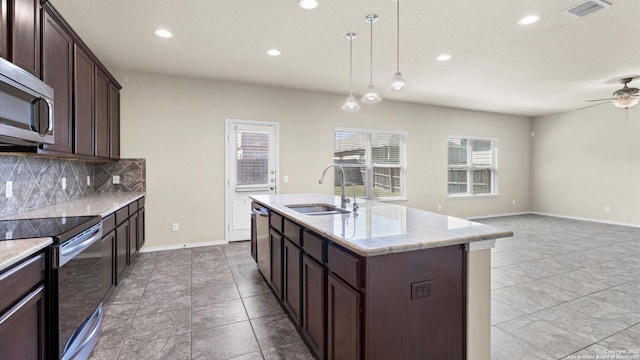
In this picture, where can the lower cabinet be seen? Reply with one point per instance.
(275, 280)
(122, 248)
(108, 279)
(313, 304)
(22, 311)
(133, 238)
(343, 320)
(141, 233)
(292, 299)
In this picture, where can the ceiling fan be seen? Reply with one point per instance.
(623, 98)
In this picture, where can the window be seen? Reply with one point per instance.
(472, 166)
(372, 160)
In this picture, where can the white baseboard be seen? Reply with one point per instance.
(182, 246)
(498, 215)
(585, 219)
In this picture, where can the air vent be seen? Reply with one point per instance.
(586, 8)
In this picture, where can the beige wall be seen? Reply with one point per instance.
(584, 161)
(178, 125)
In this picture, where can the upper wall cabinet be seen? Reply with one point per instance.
(25, 34)
(83, 86)
(57, 72)
(4, 33)
(114, 121)
(101, 101)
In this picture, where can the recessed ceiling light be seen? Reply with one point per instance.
(163, 33)
(528, 20)
(308, 4)
(274, 52)
(443, 57)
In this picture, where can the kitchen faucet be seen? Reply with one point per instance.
(344, 198)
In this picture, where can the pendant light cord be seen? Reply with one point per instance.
(351, 65)
(398, 35)
(371, 57)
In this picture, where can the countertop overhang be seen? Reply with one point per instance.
(378, 228)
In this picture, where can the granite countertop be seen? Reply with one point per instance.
(13, 251)
(103, 204)
(381, 228)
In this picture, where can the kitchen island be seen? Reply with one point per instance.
(383, 282)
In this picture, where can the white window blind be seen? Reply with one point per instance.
(252, 158)
(472, 166)
(373, 160)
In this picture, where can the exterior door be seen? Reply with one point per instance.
(252, 163)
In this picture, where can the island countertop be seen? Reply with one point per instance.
(378, 228)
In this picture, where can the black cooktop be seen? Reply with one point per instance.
(59, 228)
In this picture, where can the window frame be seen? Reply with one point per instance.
(369, 165)
(470, 168)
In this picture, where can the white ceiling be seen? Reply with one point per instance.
(497, 65)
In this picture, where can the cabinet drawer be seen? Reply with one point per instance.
(141, 203)
(133, 207)
(275, 220)
(315, 246)
(292, 231)
(122, 215)
(108, 223)
(18, 281)
(344, 265)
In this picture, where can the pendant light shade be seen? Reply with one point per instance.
(397, 83)
(371, 97)
(351, 104)
(308, 4)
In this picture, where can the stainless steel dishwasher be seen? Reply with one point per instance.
(261, 215)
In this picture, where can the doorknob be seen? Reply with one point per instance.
(272, 180)
(271, 188)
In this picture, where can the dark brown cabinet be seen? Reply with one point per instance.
(140, 225)
(101, 114)
(122, 248)
(108, 246)
(4, 31)
(313, 304)
(292, 280)
(133, 237)
(275, 243)
(57, 72)
(83, 85)
(343, 320)
(25, 34)
(114, 121)
(22, 311)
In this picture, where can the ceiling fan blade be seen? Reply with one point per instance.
(610, 99)
(586, 107)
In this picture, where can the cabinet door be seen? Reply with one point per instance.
(114, 122)
(343, 320)
(254, 238)
(83, 81)
(133, 237)
(108, 262)
(22, 328)
(4, 33)
(57, 72)
(292, 299)
(140, 229)
(275, 241)
(122, 236)
(313, 309)
(101, 114)
(25, 30)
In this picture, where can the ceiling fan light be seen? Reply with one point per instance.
(308, 4)
(625, 102)
(371, 97)
(397, 83)
(351, 104)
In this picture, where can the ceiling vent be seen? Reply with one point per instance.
(586, 8)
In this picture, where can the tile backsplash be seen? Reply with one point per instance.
(38, 181)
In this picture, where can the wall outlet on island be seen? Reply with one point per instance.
(175, 227)
(116, 179)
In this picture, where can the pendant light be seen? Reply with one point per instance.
(371, 97)
(398, 83)
(351, 104)
(308, 4)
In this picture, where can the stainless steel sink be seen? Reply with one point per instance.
(317, 209)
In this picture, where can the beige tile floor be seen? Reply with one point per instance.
(560, 288)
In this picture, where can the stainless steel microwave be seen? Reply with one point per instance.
(26, 108)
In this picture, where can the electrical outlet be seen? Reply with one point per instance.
(116, 179)
(513, 202)
(8, 189)
(88, 180)
(607, 209)
(420, 289)
(286, 178)
(175, 227)
(63, 181)
(439, 207)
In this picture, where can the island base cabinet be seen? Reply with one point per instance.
(275, 242)
(313, 304)
(292, 257)
(343, 320)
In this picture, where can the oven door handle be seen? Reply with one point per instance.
(69, 251)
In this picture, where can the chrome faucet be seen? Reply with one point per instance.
(344, 198)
